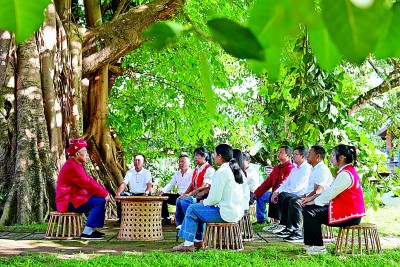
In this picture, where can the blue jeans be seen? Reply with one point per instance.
(196, 217)
(181, 207)
(261, 212)
(96, 208)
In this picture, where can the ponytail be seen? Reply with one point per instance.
(237, 171)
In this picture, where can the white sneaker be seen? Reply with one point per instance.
(314, 250)
(179, 227)
(278, 228)
(270, 227)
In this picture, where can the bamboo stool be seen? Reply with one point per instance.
(246, 227)
(223, 236)
(367, 233)
(64, 225)
(252, 212)
(327, 232)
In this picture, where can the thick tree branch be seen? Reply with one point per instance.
(391, 83)
(114, 39)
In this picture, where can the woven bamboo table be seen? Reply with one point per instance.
(141, 218)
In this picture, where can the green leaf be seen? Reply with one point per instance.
(324, 49)
(271, 21)
(236, 39)
(22, 17)
(389, 45)
(206, 78)
(163, 32)
(354, 31)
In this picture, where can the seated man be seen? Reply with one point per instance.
(273, 181)
(320, 179)
(182, 179)
(294, 186)
(253, 178)
(139, 181)
(76, 191)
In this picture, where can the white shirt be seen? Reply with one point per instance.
(341, 183)
(227, 194)
(253, 178)
(182, 181)
(320, 175)
(246, 193)
(297, 181)
(208, 175)
(137, 181)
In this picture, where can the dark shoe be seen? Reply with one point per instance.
(99, 233)
(166, 221)
(182, 248)
(284, 233)
(92, 236)
(198, 245)
(294, 238)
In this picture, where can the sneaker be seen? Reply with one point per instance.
(284, 233)
(179, 227)
(99, 233)
(182, 248)
(198, 245)
(294, 238)
(270, 227)
(314, 250)
(280, 228)
(92, 236)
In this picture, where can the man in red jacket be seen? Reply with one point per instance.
(76, 191)
(274, 181)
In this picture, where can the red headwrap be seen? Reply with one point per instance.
(75, 145)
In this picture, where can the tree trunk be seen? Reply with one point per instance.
(55, 86)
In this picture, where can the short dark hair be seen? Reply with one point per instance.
(302, 150)
(288, 150)
(140, 154)
(184, 155)
(320, 151)
(246, 156)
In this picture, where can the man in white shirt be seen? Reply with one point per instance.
(182, 179)
(320, 179)
(295, 186)
(139, 181)
(253, 178)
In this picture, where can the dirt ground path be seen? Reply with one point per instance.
(18, 243)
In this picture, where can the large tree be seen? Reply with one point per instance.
(55, 86)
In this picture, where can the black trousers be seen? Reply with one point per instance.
(171, 200)
(314, 217)
(283, 206)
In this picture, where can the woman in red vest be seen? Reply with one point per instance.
(201, 179)
(341, 204)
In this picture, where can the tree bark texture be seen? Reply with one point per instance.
(55, 86)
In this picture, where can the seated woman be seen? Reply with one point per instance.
(238, 155)
(201, 180)
(223, 204)
(341, 204)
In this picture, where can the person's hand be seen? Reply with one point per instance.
(117, 195)
(255, 197)
(182, 196)
(306, 200)
(274, 197)
(195, 192)
(160, 193)
(107, 198)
